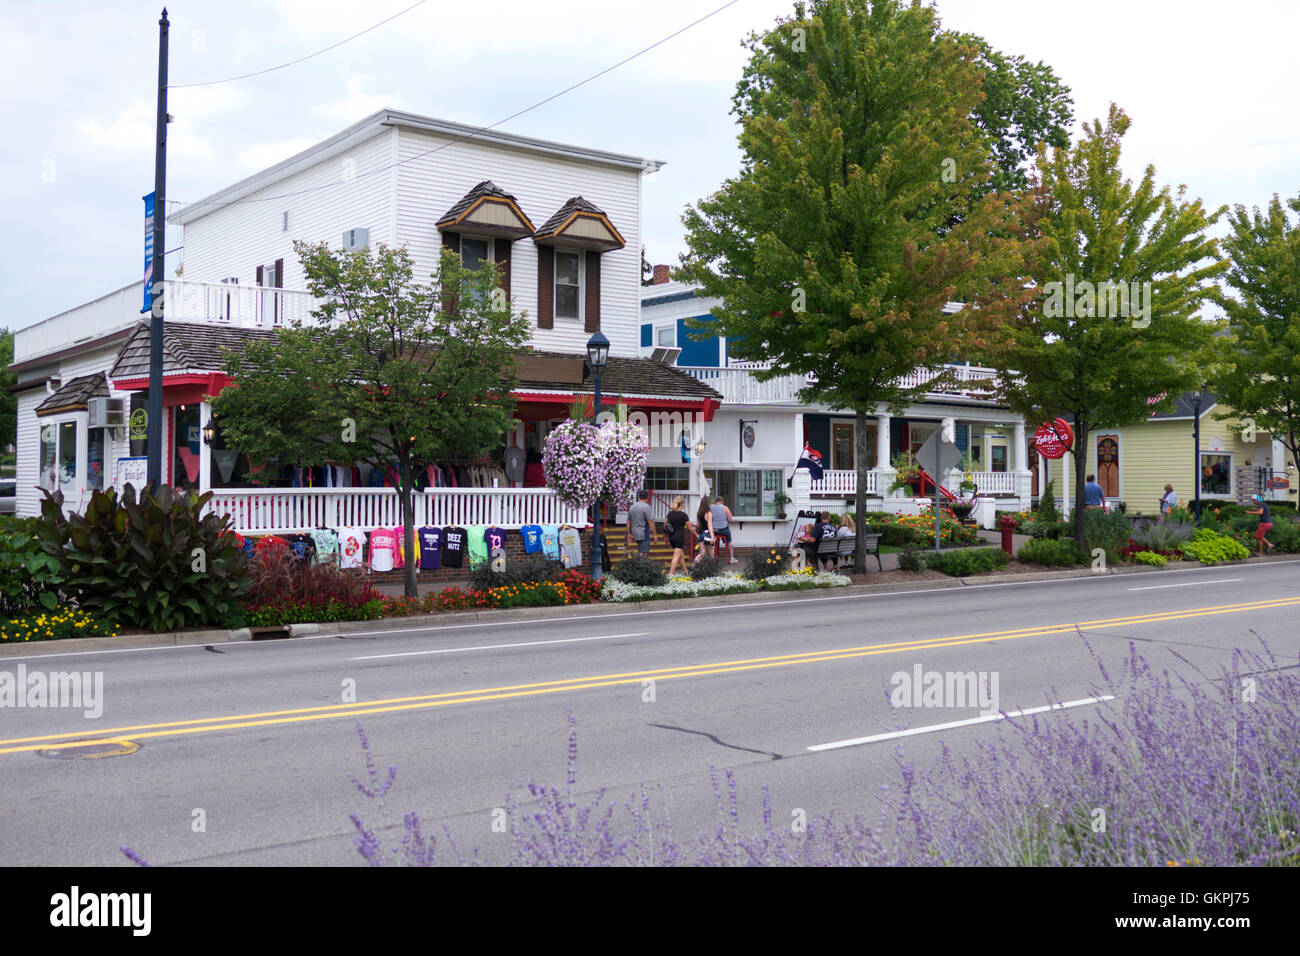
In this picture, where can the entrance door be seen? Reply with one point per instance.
(842, 446)
(1108, 465)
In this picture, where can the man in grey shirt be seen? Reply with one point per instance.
(640, 523)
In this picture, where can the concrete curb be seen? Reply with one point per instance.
(447, 619)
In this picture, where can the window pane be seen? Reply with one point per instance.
(666, 478)
(95, 463)
(49, 437)
(566, 268)
(1216, 474)
(771, 485)
(67, 453)
(999, 454)
(566, 301)
(667, 336)
(473, 252)
(747, 494)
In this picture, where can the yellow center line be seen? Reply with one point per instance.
(425, 701)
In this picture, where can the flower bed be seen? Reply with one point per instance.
(617, 591)
(54, 626)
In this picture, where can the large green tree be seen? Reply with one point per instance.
(397, 372)
(862, 206)
(1258, 375)
(1122, 270)
(8, 401)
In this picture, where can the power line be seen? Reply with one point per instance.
(272, 69)
(457, 141)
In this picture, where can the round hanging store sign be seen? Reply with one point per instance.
(1053, 439)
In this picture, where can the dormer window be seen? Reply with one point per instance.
(482, 226)
(569, 247)
(568, 283)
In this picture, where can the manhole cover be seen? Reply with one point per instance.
(90, 749)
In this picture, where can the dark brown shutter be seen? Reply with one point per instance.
(451, 241)
(545, 287)
(259, 275)
(279, 273)
(503, 265)
(592, 311)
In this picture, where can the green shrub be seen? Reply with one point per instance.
(968, 561)
(30, 579)
(1063, 553)
(894, 535)
(1149, 557)
(909, 559)
(1286, 535)
(1180, 513)
(639, 569)
(1046, 529)
(765, 563)
(291, 612)
(529, 569)
(1047, 511)
(1210, 547)
(1108, 530)
(706, 568)
(1167, 535)
(156, 562)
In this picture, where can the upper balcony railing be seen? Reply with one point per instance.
(738, 383)
(244, 306)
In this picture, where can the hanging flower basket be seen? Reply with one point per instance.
(573, 470)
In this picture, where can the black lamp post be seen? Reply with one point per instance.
(597, 358)
(1196, 442)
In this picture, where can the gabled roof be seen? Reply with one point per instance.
(582, 224)
(75, 395)
(632, 377)
(188, 349)
(375, 124)
(489, 210)
(1183, 407)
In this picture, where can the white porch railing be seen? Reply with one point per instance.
(738, 384)
(246, 306)
(291, 510)
(842, 483)
(987, 482)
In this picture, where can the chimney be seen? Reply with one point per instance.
(660, 276)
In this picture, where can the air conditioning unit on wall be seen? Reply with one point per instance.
(354, 240)
(106, 412)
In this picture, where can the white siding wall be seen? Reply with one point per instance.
(28, 498)
(429, 185)
(232, 241)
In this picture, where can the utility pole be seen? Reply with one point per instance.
(155, 445)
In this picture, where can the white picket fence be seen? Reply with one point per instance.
(291, 510)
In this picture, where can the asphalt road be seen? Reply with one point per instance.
(256, 740)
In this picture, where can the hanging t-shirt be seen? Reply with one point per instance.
(453, 547)
(383, 548)
(352, 547)
(327, 544)
(514, 465)
(551, 541)
(399, 547)
(478, 551)
(301, 547)
(430, 548)
(571, 548)
(496, 538)
(532, 535)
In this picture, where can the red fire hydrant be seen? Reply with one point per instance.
(1007, 525)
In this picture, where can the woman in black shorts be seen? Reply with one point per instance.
(675, 524)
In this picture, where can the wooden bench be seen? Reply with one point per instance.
(840, 550)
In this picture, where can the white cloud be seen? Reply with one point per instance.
(356, 104)
(134, 128)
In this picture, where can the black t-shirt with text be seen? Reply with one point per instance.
(454, 541)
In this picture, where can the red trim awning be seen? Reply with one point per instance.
(179, 389)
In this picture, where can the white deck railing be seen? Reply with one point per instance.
(845, 483)
(246, 306)
(738, 384)
(292, 510)
(842, 483)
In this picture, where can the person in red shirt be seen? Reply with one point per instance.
(534, 474)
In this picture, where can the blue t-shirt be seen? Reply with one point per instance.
(551, 541)
(1093, 493)
(532, 534)
(430, 548)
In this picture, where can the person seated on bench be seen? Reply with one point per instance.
(808, 543)
(846, 529)
(823, 530)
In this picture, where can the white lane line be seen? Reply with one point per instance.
(496, 647)
(1191, 584)
(895, 734)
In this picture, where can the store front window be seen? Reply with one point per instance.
(1216, 474)
(749, 492)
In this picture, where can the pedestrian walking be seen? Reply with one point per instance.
(1265, 523)
(704, 526)
(640, 523)
(1094, 496)
(722, 527)
(675, 526)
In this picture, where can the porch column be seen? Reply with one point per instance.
(1024, 478)
(882, 441)
(205, 453)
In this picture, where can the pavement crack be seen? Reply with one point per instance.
(721, 743)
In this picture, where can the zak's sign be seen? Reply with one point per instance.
(1053, 439)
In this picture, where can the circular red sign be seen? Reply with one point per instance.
(1053, 439)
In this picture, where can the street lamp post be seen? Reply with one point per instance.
(1196, 443)
(597, 358)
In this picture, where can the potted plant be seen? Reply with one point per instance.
(781, 499)
(907, 473)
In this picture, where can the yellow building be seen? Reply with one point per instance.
(1133, 463)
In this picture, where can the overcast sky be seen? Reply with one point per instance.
(1210, 87)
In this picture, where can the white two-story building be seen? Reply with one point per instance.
(562, 224)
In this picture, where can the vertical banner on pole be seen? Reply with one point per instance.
(148, 252)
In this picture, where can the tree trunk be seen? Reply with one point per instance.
(407, 493)
(1080, 469)
(860, 493)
